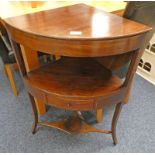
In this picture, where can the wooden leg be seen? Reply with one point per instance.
(5, 70)
(30, 65)
(114, 122)
(99, 115)
(41, 107)
(11, 78)
(35, 114)
(126, 100)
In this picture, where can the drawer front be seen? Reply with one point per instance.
(70, 104)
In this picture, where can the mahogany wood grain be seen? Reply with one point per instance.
(30, 65)
(113, 62)
(105, 61)
(25, 65)
(92, 22)
(28, 54)
(97, 28)
(80, 83)
(87, 48)
(80, 127)
(114, 122)
(35, 113)
(67, 83)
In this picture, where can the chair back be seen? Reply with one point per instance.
(142, 12)
(4, 34)
(4, 52)
(5, 46)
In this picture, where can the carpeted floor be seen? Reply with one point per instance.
(135, 130)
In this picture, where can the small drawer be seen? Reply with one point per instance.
(70, 104)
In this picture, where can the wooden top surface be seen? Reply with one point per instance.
(76, 22)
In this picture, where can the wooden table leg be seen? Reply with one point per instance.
(126, 100)
(8, 72)
(99, 115)
(40, 106)
(31, 62)
(118, 109)
(35, 114)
